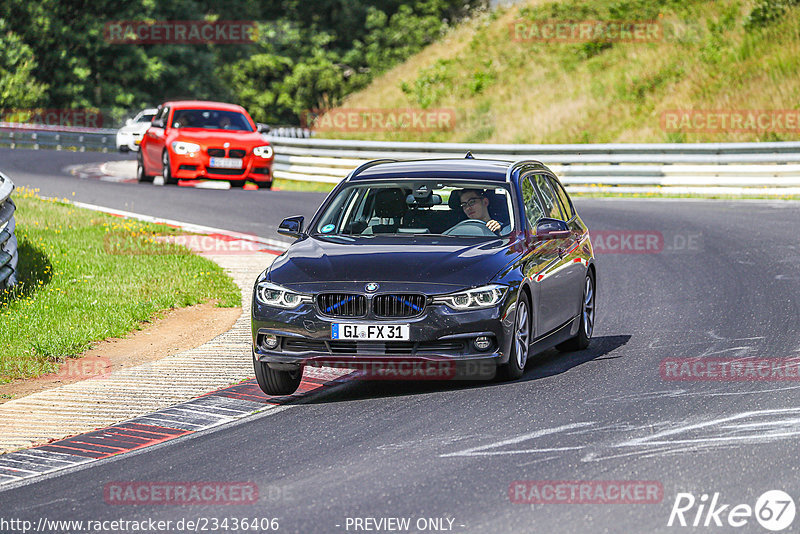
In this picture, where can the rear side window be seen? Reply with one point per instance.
(551, 207)
(566, 205)
(533, 209)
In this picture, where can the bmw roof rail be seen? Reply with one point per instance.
(367, 165)
(522, 162)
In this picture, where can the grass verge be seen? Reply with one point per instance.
(86, 276)
(299, 185)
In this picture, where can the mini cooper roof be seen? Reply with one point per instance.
(453, 169)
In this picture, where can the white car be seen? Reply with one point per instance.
(130, 135)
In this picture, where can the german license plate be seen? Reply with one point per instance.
(370, 332)
(225, 163)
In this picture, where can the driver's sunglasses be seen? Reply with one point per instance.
(471, 202)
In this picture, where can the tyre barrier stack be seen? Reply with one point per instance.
(8, 241)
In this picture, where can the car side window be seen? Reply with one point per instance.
(533, 209)
(551, 207)
(566, 204)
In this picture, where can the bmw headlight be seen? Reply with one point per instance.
(183, 148)
(279, 297)
(473, 299)
(265, 151)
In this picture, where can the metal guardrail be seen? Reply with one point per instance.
(8, 241)
(301, 157)
(691, 164)
(38, 136)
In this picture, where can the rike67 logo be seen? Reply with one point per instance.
(774, 510)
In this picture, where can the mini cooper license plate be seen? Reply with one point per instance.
(225, 163)
(370, 332)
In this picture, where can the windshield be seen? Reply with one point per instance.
(147, 117)
(414, 207)
(210, 119)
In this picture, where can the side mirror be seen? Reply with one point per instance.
(292, 226)
(551, 229)
(157, 123)
(263, 128)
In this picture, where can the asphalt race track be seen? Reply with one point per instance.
(722, 282)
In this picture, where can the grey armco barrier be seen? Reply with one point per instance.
(38, 136)
(8, 241)
(299, 156)
(668, 164)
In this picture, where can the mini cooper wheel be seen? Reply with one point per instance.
(581, 341)
(166, 171)
(520, 345)
(141, 175)
(274, 382)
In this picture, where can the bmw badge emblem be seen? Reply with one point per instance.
(372, 287)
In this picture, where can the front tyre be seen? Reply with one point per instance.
(581, 341)
(274, 382)
(520, 346)
(166, 170)
(141, 174)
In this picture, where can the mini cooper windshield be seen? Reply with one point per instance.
(415, 207)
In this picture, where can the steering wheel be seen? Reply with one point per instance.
(473, 227)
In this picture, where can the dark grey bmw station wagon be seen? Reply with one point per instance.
(442, 260)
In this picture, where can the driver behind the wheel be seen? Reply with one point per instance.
(476, 206)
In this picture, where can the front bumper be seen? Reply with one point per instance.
(185, 167)
(128, 141)
(438, 335)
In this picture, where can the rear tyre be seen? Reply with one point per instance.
(581, 341)
(166, 171)
(264, 185)
(237, 183)
(141, 175)
(274, 382)
(521, 342)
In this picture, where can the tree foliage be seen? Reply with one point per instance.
(309, 54)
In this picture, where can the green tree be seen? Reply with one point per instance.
(18, 87)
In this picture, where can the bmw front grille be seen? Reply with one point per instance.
(387, 306)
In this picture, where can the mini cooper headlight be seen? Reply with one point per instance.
(279, 297)
(473, 299)
(263, 151)
(183, 148)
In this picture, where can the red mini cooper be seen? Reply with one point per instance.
(190, 140)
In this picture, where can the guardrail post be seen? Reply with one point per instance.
(35, 143)
(58, 141)
(81, 147)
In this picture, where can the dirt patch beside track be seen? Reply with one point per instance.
(172, 332)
